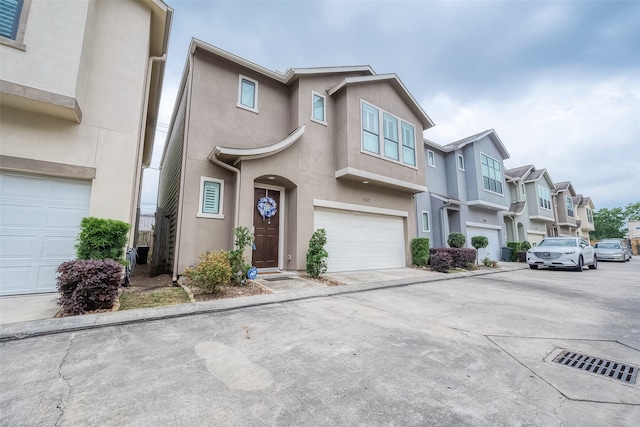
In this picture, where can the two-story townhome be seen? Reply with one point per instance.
(585, 208)
(80, 85)
(285, 154)
(467, 192)
(564, 210)
(530, 216)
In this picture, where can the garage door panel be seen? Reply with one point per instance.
(39, 224)
(493, 249)
(359, 241)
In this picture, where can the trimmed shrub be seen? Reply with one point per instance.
(460, 257)
(317, 255)
(420, 251)
(101, 238)
(515, 248)
(525, 246)
(87, 285)
(239, 266)
(479, 242)
(441, 261)
(456, 240)
(212, 271)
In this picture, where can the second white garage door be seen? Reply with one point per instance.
(493, 249)
(361, 241)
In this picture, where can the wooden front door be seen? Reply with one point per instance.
(266, 231)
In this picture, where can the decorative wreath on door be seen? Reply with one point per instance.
(267, 207)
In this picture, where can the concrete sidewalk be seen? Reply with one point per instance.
(33, 315)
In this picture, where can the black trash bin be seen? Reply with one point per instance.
(505, 254)
(143, 253)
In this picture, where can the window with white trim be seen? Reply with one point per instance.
(460, 162)
(397, 141)
(589, 215)
(569, 206)
(522, 189)
(13, 18)
(426, 226)
(492, 174)
(247, 94)
(211, 198)
(318, 108)
(544, 197)
(431, 158)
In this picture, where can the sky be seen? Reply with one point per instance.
(559, 81)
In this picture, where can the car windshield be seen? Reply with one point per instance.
(608, 245)
(558, 242)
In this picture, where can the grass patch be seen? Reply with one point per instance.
(155, 298)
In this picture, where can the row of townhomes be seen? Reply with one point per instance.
(339, 148)
(80, 84)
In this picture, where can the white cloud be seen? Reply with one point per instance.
(579, 130)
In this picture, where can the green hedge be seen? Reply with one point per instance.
(420, 251)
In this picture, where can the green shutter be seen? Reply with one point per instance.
(211, 197)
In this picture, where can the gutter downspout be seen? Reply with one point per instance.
(135, 205)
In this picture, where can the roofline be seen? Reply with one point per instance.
(427, 122)
(286, 77)
(530, 169)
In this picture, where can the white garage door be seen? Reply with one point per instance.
(493, 249)
(360, 241)
(39, 222)
(534, 238)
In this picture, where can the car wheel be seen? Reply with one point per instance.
(594, 266)
(580, 264)
(533, 267)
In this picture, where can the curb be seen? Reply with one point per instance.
(31, 329)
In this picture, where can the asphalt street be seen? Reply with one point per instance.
(470, 351)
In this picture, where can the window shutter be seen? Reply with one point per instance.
(9, 17)
(211, 197)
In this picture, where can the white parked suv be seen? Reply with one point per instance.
(562, 252)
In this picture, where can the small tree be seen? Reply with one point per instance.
(239, 266)
(102, 239)
(479, 242)
(317, 255)
(420, 251)
(456, 240)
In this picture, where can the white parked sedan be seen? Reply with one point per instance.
(611, 250)
(563, 252)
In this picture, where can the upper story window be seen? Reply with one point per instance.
(589, 215)
(492, 174)
(396, 134)
(248, 94)
(318, 108)
(460, 162)
(544, 197)
(13, 18)
(211, 198)
(431, 158)
(569, 206)
(523, 191)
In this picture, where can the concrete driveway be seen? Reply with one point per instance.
(473, 350)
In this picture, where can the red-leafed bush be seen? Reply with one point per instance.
(460, 257)
(88, 285)
(441, 261)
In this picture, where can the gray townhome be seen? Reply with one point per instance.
(531, 215)
(565, 211)
(467, 192)
(285, 154)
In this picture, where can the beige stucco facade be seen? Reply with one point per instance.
(80, 96)
(279, 146)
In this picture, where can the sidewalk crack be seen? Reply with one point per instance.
(61, 406)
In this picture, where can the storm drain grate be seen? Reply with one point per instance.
(277, 279)
(608, 368)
